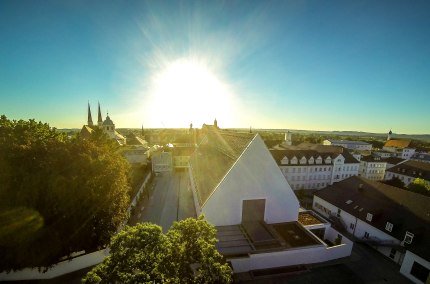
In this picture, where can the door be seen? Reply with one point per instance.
(253, 210)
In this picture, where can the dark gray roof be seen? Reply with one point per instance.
(278, 155)
(393, 160)
(413, 169)
(214, 157)
(348, 142)
(407, 211)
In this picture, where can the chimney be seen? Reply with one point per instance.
(360, 187)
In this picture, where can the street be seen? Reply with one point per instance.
(171, 200)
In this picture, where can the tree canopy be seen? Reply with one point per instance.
(420, 186)
(58, 195)
(143, 254)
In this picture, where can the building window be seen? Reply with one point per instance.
(351, 226)
(369, 217)
(389, 227)
(420, 272)
(338, 210)
(393, 253)
(366, 235)
(409, 237)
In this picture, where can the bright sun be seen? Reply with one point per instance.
(187, 91)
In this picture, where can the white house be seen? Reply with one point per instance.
(372, 167)
(408, 171)
(240, 189)
(395, 222)
(315, 168)
(350, 145)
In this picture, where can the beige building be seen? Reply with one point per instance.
(372, 167)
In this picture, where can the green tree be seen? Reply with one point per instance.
(65, 195)
(420, 186)
(143, 254)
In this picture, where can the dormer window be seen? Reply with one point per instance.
(408, 237)
(294, 161)
(311, 160)
(369, 217)
(319, 160)
(303, 161)
(328, 160)
(284, 161)
(389, 227)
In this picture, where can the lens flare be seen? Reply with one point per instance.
(185, 91)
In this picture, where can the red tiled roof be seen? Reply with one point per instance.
(397, 143)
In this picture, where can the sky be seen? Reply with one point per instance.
(316, 65)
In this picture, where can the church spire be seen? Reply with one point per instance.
(90, 118)
(100, 119)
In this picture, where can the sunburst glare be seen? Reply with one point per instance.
(187, 90)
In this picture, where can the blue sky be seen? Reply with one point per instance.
(319, 65)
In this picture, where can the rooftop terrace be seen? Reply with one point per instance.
(257, 237)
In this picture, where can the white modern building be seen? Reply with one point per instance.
(350, 145)
(240, 189)
(315, 169)
(372, 167)
(408, 171)
(395, 222)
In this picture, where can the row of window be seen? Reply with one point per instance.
(379, 165)
(303, 160)
(308, 186)
(316, 169)
(401, 177)
(322, 208)
(311, 177)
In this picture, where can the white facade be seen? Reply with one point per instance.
(410, 260)
(359, 228)
(373, 170)
(404, 153)
(352, 145)
(404, 178)
(248, 180)
(302, 174)
(296, 256)
(384, 154)
(161, 161)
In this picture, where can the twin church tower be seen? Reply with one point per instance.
(107, 125)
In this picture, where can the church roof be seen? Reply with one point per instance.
(214, 157)
(86, 131)
(108, 121)
(397, 143)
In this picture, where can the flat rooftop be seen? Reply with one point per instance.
(307, 218)
(258, 237)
